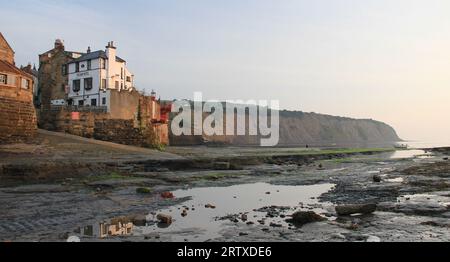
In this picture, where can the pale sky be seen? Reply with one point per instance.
(387, 60)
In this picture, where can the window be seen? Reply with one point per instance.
(121, 86)
(88, 83)
(63, 87)
(94, 102)
(64, 69)
(77, 67)
(89, 64)
(117, 84)
(104, 101)
(103, 84)
(121, 73)
(3, 79)
(81, 103)
(76, 85)
(103, 63)
(128, 79)
(25, 84)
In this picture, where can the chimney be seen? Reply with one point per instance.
(88, 50)
(111, 54)
(59, 44)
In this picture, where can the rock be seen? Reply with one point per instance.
(210, 206)
(373, 239)
(267, 193)
(275, 225)
(244, 217)
(167, 195)
(346, 210)
(165, 219)
(139, 220)
(301, 218)
(221, 165)
(243, 234)
(377, 178)
(184, 213)
(64, 235)
(338, 236)
(143, 190)
(250, 223)
(445, 158)
(73, 239)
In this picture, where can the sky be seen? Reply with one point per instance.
(387, 60)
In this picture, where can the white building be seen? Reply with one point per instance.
(94, 74)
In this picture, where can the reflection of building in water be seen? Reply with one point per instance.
(116, 229)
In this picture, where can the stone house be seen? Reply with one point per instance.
(52, 75)
(35, 74)
(17, 113)
(93, 95)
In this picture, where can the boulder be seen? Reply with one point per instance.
(165, 219)
(138, 220)
(377, 178)
(373, 239)
(167, 195)
(347, 210)
(301, 218)
(210, 206)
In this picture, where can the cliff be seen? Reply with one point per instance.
(316, 129)
(301, 129)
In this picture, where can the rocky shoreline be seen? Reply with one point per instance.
(374, 197)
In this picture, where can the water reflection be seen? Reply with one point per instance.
(399, 154)
(250, 204)
(116, 227)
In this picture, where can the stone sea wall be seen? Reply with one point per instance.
(17, 115)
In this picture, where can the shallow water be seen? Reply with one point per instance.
(202, 223)
(399, 154)
(426, 144)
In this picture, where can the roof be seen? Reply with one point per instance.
(95, 55)
(9, 68)
(2, 37)
(30, 70)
